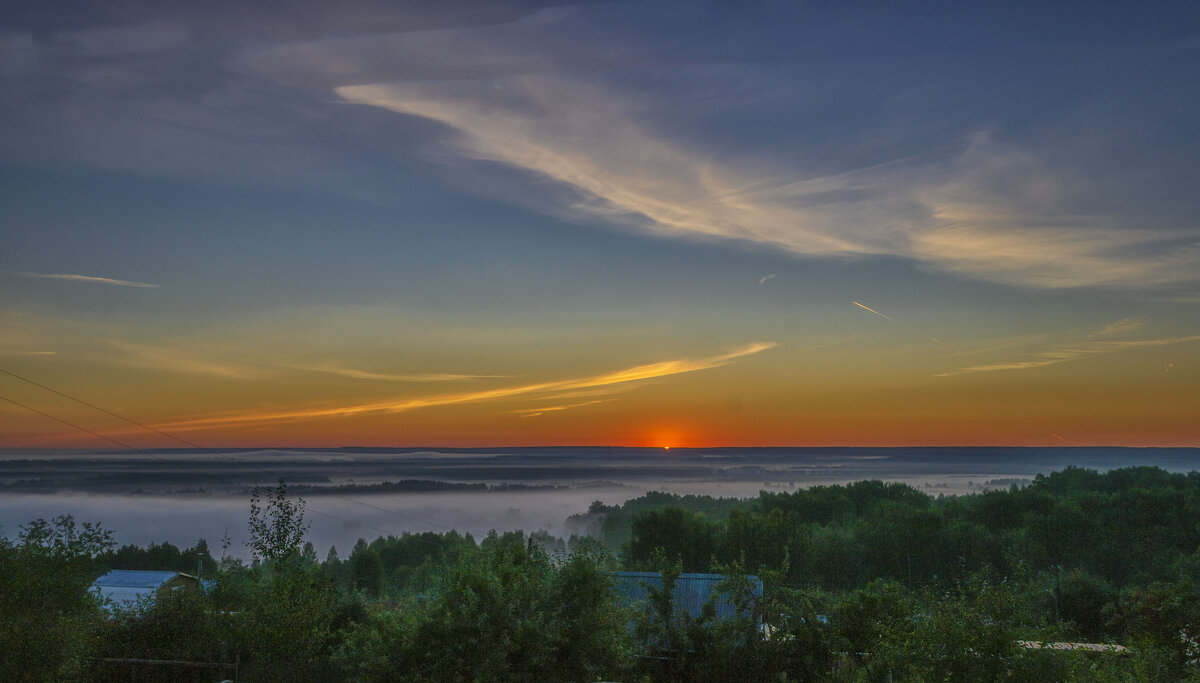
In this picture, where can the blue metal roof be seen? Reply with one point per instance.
(121, 596)
(125, 587)
(691, 591)
(134, 578)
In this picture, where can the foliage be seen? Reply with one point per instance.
(506, 612)
(162, 557)
(861, 582)
(366, 570)
(277, 525)
(1088, 556)
(1121, 528)
(966, 633)
(674, 644)
(678, 533)
(48, 616)
(616, 525)
(177, 625)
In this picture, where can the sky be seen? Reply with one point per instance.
(471, 223)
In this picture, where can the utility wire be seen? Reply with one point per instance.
(71, 424)
(197, 446)
(103, 410)
(159, 457)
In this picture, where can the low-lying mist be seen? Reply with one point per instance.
(180, 497)
(337, 521)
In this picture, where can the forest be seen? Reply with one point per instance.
(869, 581)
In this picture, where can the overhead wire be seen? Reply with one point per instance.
(168, 460)
(197, 446)
(206, 450)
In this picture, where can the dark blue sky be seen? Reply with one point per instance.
(271, 213)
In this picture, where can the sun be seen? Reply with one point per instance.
(666, 437)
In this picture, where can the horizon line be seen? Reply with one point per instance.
(426, 447)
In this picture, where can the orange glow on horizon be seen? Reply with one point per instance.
(837, 398)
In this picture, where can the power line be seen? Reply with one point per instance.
(82, 429)
(159, 457)
(197, 446)
(103, 410)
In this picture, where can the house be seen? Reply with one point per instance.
(689, 596)
(126, 587)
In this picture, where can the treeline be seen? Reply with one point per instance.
(863, 582)
(164, 556)
(1124, 528)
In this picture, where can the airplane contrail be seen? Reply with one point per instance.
(873, 311)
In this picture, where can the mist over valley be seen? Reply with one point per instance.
(180, 496)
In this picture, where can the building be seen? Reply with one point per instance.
(688, 598)
(126, 587)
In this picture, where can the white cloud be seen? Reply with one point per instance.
(1123, 326)
(561, 93)
(587, 137)
(87, 279)
(995, 212)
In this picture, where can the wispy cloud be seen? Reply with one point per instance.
(389, 377)
(640, 116)
(536, 412)
(86, 278)
(585, 136)
(179, 360)
(763, 280)
(868, 308)
(993, 212)
(1064, 353)
(1122, 326)
(998, 249)
(633, 374)
(594, 391)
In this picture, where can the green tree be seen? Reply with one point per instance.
(677, 533)
(283, 618)
(47, 613)
(967, 633)
(366, 571)
(277, 525)
(503, 613)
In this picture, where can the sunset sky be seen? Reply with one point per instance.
(646, 223)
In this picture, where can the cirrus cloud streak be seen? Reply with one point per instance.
(399, 405)
(87, 279)
(1070, 352)
(993, 211)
